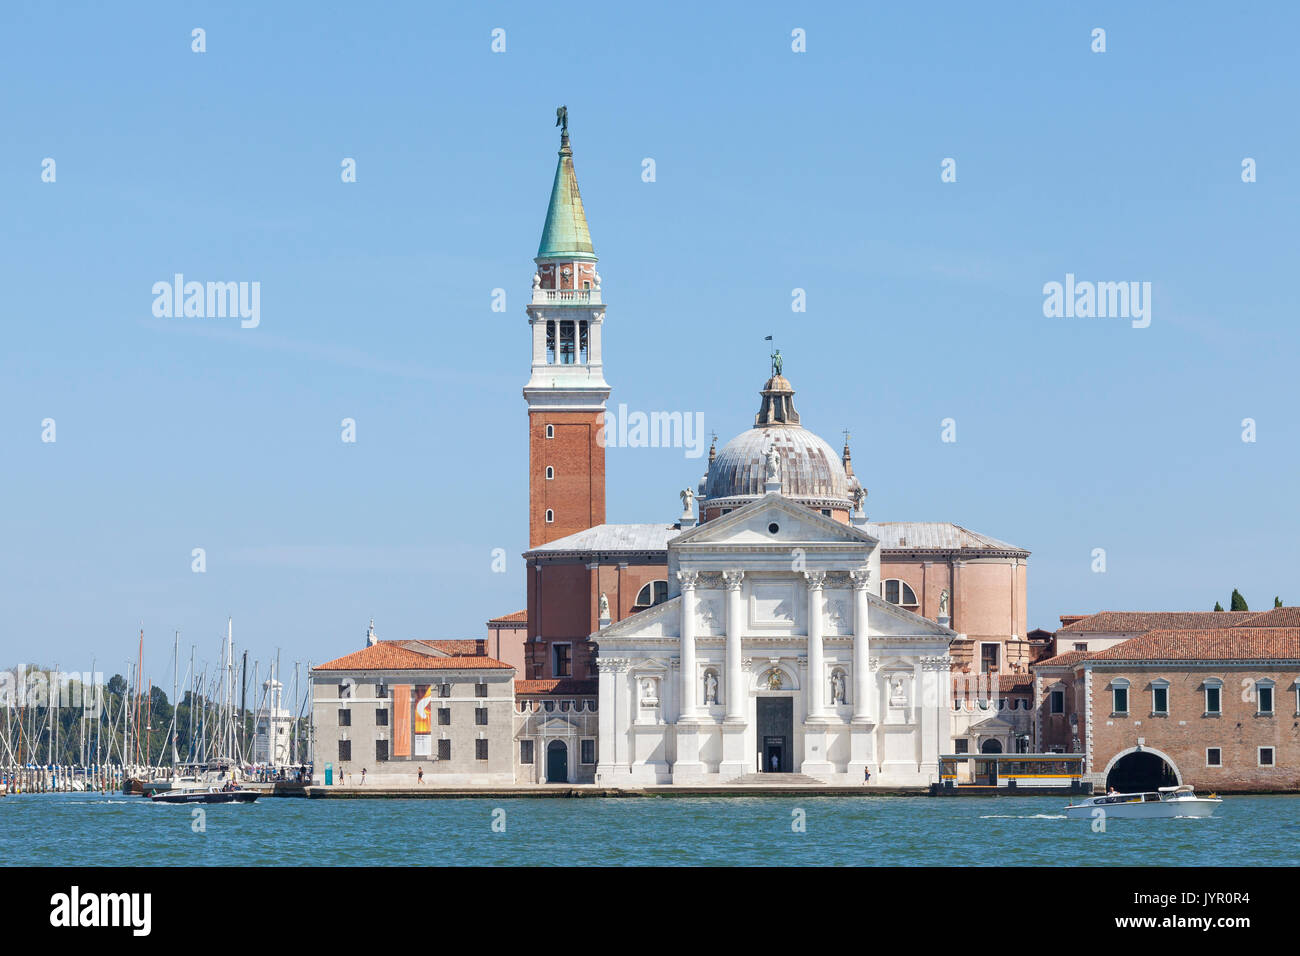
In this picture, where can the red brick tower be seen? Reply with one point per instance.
(567, 391)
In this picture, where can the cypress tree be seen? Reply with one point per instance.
(1239, 602)
(1218, 606)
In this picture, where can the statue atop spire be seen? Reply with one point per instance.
(776, 362)
(562, 121)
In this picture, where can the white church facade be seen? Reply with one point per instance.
(774, 653)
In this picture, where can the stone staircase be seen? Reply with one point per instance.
(773, 780)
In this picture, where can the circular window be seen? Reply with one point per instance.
(773, 528)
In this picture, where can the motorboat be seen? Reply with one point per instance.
(1180, 801)
(207, 795)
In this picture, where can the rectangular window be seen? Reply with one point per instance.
(345, 717)
(1058, 701)
(589, 751)
(1160, 700)
(525, 751)
(1264, 694)
(381, 691)
(1213, 757)
(444, 749)
(381, 750)
(381, 716)
(563, 661)
(582, 339)
(480, 749)
(480, 716)
(989, 657)
(1266, 756)
(1213, 700)
(345, 688)
(345, 750)
(891, 590)
(480, 690)
(1080, 645)
(962, 745)
(444, 716)
(550, 345)
(1120, 702)
(444, 690)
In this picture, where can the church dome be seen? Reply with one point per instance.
(810, 469)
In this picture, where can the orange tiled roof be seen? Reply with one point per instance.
(557, 685)
(1068, 659)
(1208, 644)
(472, 647)
(519, 617)
(1122, 621)
(1278, 617)
(391, 655)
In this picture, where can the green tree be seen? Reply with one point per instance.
(1277, 602)
(1239, 602)
(1218, 606)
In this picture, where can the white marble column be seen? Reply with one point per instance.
(735, 626)
(816, 668)
(864, 704)
(689, 679)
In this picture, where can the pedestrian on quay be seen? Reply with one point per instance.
(363, 776)
(419, 775)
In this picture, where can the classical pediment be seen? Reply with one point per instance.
(796, 525)
(890, 620)
(662, 620)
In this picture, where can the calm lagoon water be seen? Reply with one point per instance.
(93, 829)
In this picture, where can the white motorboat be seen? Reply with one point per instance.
(1166, 802)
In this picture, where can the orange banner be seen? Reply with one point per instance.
(401, 720)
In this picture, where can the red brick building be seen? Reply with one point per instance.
(1217, 707)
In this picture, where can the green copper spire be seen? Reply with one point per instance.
(565, 233)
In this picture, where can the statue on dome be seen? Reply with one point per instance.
(773, 463)
(562, 119)
(776, 363)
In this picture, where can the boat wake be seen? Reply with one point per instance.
(1022, 816)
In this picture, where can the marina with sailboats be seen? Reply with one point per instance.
(76, 732)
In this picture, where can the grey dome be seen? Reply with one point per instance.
(810, 468)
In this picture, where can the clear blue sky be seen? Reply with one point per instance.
(775, 170)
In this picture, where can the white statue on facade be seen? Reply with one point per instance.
(710, 688)
(897, 694)
(688, 499)
(537, 281)
(604, 607)
(943, 603)
(648, 696)
(837, 688)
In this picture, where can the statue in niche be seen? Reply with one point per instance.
(775, 679)
(604, 607)
(837, 688)
(648, 696)
(897, 694)
(943, 603)
(710, 687)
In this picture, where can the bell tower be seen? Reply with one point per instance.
(566, 392)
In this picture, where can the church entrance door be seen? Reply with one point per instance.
(557, 762)
(775, 717)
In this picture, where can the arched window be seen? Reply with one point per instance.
(550, 516)
(656, 592)
(550, 431)
(898, 592)
(550, 472)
